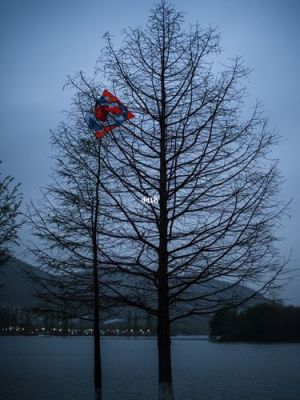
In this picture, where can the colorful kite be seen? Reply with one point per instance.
(109, 113)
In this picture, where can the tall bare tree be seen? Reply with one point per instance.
(192, 147)
(187, 205)
(68, 222)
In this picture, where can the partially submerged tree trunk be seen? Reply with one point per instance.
(163, 319)
(96, 311)
(69, 224)
(164, 352)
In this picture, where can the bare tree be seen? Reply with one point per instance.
(68, 221)
(192, 147)
(10, 201)
(181, 203)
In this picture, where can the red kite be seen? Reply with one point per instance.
(109, 113)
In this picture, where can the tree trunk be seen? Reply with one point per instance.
(163, 322)
(97, 349)
(164, 357)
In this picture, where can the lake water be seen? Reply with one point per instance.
(54, 368)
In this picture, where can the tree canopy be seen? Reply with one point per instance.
(10, 201)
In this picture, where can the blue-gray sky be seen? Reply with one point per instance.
(44, 41)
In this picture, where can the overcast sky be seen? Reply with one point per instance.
(44, 41)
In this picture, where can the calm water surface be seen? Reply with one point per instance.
(53, 368)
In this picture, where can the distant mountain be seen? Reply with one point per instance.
(18, 288)
(18, 291)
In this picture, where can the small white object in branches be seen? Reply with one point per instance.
(150, 200)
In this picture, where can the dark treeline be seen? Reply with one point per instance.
(17, 321)
(267, 322)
